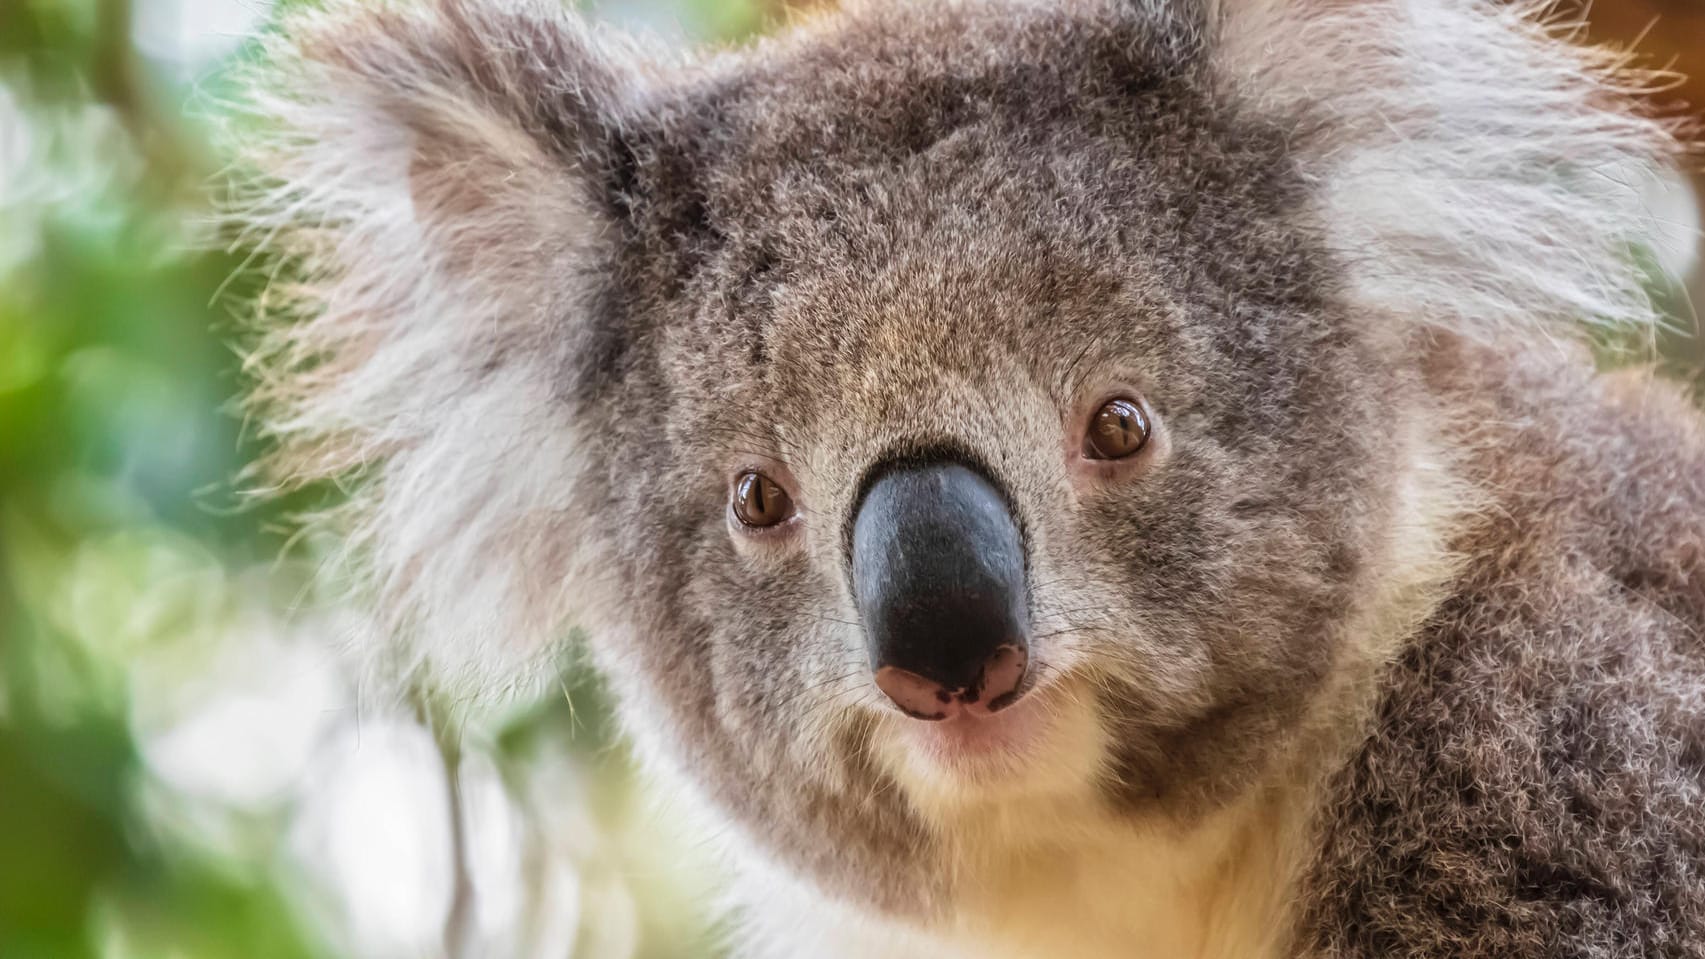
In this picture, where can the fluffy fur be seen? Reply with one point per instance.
(1533, 782)
(427, 233)
(1299, 672)
(1472, 170)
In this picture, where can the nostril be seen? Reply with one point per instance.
(916, 696)
(998, 685)
(995, 687)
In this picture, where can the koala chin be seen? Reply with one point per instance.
(1042, 477)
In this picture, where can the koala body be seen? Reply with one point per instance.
(1098, 477)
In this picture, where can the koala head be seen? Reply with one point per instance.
(932, 412)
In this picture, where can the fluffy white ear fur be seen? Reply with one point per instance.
(422, 182)
(1475, 170)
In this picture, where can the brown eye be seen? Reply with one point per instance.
(759, 502)
(1119, 429)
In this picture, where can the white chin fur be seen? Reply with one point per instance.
(1046, 748)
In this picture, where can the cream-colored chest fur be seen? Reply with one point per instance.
(1219, 891)
(1097, 888)
(1216, 893)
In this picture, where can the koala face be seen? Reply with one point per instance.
(1009, 449)
(937, 419)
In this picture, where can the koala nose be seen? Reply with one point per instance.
(938, 574)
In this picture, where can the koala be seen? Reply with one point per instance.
(1039, 477)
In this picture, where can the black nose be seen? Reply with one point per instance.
(938, 572)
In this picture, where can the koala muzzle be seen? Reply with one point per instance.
(938, 574)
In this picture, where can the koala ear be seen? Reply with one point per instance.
(1475, 168)
(437, 187)
(488, 128)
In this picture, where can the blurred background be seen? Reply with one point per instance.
(186, 770)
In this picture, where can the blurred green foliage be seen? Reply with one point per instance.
(112, 390)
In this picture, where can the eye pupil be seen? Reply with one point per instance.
(1119, 429)
(759, 502)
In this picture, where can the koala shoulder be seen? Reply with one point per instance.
(1540, 744)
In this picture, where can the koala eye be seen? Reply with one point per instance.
(1118, 429)
(759, 502)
